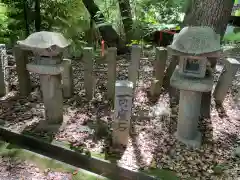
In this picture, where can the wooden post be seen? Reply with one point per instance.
(88, 72)
(111, 60)
(67, 78)
(225, 79)
(21, 58)
(2, 81)
(159, 68)
(122, 113)
(134, 66)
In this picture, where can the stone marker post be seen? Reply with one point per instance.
(225, 79)
(170, 69)
(2, 82)
(48, 48)
(160, 63)
(21, 58)
(133, 69)
(67, 78)
(112, 61)
(89, 81)
(122, 112)
(159, 68)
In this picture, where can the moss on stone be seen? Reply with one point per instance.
(42, 162)
(163, 174)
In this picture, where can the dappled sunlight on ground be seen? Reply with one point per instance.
(152, 140)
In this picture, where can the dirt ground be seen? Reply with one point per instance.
(153, 143)
(24, 170)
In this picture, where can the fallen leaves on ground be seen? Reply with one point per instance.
(153, 140)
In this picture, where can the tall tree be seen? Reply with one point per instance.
(25, 9)
(212, 13)
(125, 10)
(37, 16)
(108, 33)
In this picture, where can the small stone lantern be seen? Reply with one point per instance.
(48, 48)
(194, 46)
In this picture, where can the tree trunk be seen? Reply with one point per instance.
(212, 13)
(107, 32)
(125, 10)
(25, 8)
(37, 16)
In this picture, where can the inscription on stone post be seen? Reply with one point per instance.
(122, 113)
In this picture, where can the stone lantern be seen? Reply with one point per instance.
(48, 48)
(195, 47)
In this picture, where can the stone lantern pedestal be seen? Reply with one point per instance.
(189, 106)
(50, 82)
(48, 48)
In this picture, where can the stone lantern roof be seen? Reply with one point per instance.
(45, 43)
(196, 41)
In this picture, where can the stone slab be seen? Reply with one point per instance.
(45, 69)
(226, 78)
(191, 84)
(231, 61)
(67, 78)
(21, 58)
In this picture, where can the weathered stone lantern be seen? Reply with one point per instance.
(194, 46)
(48, 48)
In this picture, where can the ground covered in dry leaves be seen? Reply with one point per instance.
(21, 164)
(23, 170)
(152, 143)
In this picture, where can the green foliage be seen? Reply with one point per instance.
(148, 15)
(232, 37)
(71, 18)
(153, 15)
(66, 16)
(3, 23)
(163, 174)
(13, 25)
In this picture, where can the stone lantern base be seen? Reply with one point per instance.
(189, 106)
